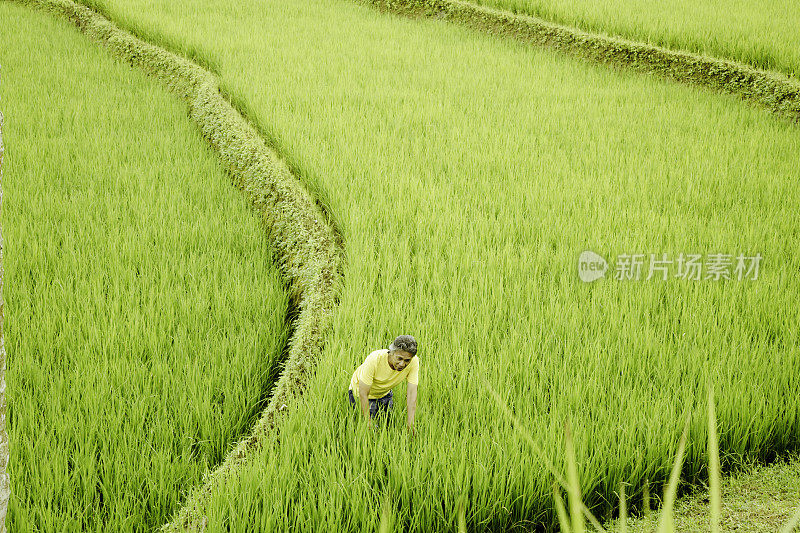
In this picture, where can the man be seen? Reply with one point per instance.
(372, 382)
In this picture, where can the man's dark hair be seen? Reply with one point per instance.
(406, 343)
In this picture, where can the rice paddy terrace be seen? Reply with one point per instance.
(179, 352)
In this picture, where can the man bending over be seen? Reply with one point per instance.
(373, 381)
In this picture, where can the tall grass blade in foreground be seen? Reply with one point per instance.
(574, 522)
(667, 523)
(574, 486)
(462, 514)
(385, 525)
(527, 436)
(713, 463)
(563, 521)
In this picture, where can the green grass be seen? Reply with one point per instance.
(762, 34)
(143, 312)
(757, 499)
(467, 174)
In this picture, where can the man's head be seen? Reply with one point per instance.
(401, 351)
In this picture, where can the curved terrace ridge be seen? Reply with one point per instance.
(308, 249)
(773, 90)
(5, 485)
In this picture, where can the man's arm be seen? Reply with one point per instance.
(363, 391)
(411, 403)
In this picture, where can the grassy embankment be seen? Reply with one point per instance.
(5, 490)
(144, 315)
(770, 89)
(757, 499)
(468, 174)
(762, 34)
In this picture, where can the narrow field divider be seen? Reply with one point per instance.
(772, 90)
(305, 241)
(5, 485)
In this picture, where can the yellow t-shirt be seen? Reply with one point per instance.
(376, 372)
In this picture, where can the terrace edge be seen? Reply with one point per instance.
(5, 484)
(308, 249)
(772, 90)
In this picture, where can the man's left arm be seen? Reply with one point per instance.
(411, 393)
(411, 403)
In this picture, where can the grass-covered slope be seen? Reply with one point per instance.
(467, 174)
(762, 34)
(144, 315)
(772, 90)
(757, 499)
(5, 489)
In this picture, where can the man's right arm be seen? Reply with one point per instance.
(363, 392)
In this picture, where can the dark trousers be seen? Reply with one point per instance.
(377, 405)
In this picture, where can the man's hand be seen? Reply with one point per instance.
(412, 429)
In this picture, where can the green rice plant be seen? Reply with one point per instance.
(759, 34)
(144, 317)
(4, 481)
(308, 247)
(467, 173)
(465, 195)
(574, 521)
(770, 89)
(713, 463)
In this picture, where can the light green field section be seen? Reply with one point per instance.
(762, 34)
(144, 315)
(467, 174)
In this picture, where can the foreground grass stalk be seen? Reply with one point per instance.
(574, 485)
(385, 525)
(563, 521)
(574, 522)
(549, 465)
(666, 524)
(462, 514)
(713, 463)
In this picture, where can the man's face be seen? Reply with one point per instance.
(399, 359)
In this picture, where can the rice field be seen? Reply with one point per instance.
(762, 34)
(144, 315)
(466, 194)
(467, 174)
